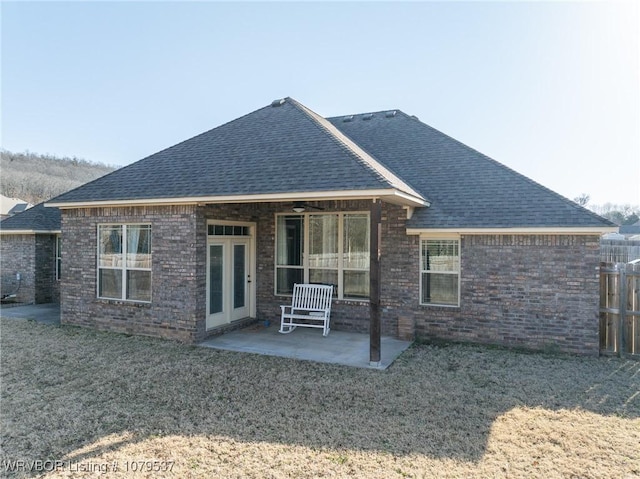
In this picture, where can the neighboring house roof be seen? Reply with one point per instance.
(286, 151)
(36, 219)
(11, 206)
(633, 229)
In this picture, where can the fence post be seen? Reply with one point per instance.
(622, 317)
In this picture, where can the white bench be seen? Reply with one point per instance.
(311, 303)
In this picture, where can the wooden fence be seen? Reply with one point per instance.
(620, 309)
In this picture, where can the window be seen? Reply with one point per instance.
(327, 248)
(289, 247)
(124, 262)
(58, 257)
(227, 230)
(440, 272)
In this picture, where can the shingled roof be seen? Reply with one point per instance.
(467, 189)
(37, 219)
(285, 150)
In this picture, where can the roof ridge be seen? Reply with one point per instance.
(378, 112)
(368, 160)
(511, 170)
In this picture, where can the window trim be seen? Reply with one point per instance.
(305, 256)
(123, 268)
(422, 272)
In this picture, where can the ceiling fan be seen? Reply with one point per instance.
(300, 206)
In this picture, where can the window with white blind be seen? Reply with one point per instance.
(324, 248)
(124, 262)
(440, 272)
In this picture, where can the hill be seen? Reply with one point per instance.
(35, 178)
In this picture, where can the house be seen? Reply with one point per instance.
(629, 231)
(11, 206)
(621, 247)
(30, 256)
(212, 233)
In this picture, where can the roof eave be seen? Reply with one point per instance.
(575, 230)
(390, 195)
(28, 232)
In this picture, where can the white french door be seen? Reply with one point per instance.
(228, 280)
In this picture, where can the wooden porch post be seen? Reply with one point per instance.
(374, 282)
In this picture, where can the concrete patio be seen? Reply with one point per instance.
(339, 347)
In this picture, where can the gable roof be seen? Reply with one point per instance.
(281, 149)
(467, 189)
(36, 219)
(285, 151)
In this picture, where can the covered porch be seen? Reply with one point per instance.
(339, 347)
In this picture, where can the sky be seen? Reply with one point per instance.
(549, 89)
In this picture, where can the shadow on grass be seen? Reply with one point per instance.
(65, 388)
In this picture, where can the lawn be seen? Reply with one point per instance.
(100, 402)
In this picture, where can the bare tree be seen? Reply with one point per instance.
(35, 178)
(583, 199)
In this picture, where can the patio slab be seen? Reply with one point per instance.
(339, 347)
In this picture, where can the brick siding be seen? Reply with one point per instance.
(33, 256)
(172, 311)
(530, 291)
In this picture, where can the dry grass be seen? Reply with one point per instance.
(89, 398)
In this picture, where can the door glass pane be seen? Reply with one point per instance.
(215, 279)
(239, 275)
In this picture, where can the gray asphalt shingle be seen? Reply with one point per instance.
(288, 149)
(466, 188)
(36, 218)
(272, 150)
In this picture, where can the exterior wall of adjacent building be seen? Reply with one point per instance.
(18, 256)
(530, 291)
(47, 286)
(32, 256)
